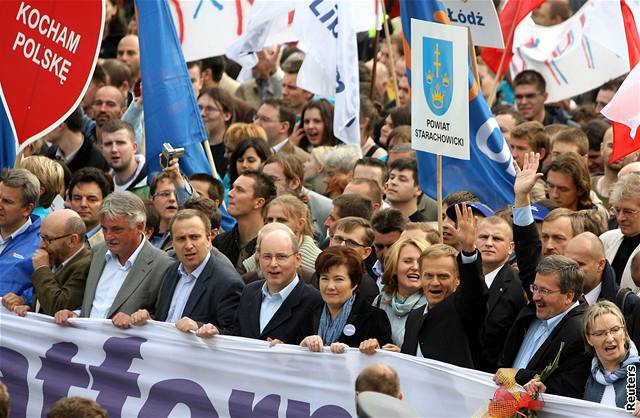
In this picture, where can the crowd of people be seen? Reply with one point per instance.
(302, 239)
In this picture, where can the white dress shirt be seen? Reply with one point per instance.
(111, 280)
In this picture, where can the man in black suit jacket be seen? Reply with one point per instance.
(553, 315)
(506, 296)
(203, 286)
(277, 308)
(447, 329)
(600, 283)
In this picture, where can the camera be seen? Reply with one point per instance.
(169, 153)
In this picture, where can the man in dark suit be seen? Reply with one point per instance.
(447, 329)
(60, 265)
(202, 286)
(277, 308)
(553, 317)
(587, 250)
(553, 314)
(126, 270)
(72, 147)
(506, 296)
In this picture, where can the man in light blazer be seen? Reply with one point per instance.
(126, 270)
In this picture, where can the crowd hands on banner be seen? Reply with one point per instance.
(281, 195)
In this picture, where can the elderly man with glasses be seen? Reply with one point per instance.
(622, 244)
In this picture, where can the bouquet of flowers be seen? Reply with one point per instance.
(510, 402)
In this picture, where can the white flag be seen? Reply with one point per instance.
(330, 67)
(576, 56)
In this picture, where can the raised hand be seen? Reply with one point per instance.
(526, 177)
(466, 228)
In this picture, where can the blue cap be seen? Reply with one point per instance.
(539, 212)
(477, 207)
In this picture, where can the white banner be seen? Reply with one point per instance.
(157, 371)
(481, 17)
(206, 28)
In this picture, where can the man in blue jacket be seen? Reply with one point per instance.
(19, 234)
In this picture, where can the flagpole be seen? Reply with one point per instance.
(439, 193)
(498, 78)
(385, 25)
(375, 64)
(207, 151)
(474, 59)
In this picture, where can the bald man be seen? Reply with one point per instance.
(108, 104)
(61, 265)
(599, 277)
(129, 53)
(381, 378)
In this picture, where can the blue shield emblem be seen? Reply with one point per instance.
(437, 73)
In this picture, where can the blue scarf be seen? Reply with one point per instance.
(606, 378)
(329, 330)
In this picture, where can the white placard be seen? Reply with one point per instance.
(440, 89)
(480, 17)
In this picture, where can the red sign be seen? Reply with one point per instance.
(49, 49)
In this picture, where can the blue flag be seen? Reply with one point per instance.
(7, 141)
(489, 173)
(171, 113)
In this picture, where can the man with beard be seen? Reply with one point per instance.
(109, 104)
(60, 265)
(129, 171)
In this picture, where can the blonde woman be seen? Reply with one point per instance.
(614, 358)
(51, 176)
(314, 169)
(291, 211)
(402, 290)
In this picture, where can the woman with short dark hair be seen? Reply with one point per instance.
(345, 319)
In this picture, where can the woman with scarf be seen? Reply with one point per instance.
(345, 319)
(615, 360)
(402, 290)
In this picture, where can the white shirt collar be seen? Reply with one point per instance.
(491, 276)
(592, 296)
(132, 258)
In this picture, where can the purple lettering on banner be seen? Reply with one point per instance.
(58, 373)
(165, 395)
(113, 378)
(297, 409)
(14, 368)
(241, 405)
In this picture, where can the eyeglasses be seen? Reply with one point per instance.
(600, 334)
(280, 258)
(338, 240)
(614, 211)
(530, 96)
(165, 194)
(209, 109)
(262, 119)
(543, 291)
(48, 240)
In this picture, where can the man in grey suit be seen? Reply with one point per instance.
(126, 270)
